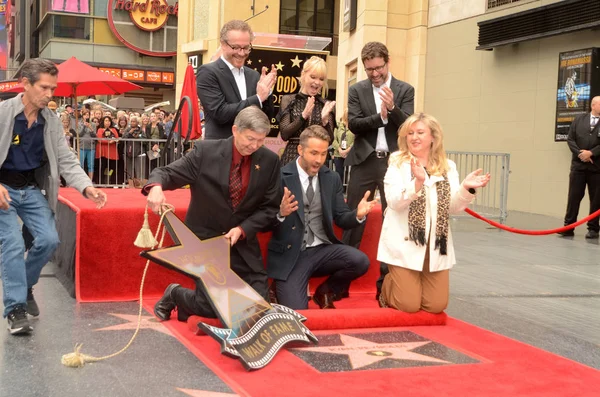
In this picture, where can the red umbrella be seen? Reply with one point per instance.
(76, 78)
(189, 90)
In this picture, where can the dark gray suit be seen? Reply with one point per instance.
(292, 267)
(210, 212)
(368, 170)
(582, 137)
(221, 99)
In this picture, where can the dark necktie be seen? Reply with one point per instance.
(310, 194)
(235, 185)
(594, 122)
(310, 191)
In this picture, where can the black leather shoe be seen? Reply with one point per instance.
(324, 300)
(567, 233)
(166, 304)
(591, 234)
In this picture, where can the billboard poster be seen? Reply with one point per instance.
(575, 89)
(289, 65)
(71, 6)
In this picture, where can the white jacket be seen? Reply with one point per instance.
(395, 247)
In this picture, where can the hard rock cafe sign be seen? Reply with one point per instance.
(157, 20)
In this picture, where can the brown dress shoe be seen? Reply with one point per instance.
(273, 293)
(324, 300)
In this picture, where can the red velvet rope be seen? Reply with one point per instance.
(533, 232)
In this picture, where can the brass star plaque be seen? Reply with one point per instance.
(256, 330)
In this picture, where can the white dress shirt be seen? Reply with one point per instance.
(593, 120)
(381, 141)
(238, 75)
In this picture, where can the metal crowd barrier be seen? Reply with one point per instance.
(491, 201)
(135, 159)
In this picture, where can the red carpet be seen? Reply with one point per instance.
(351, 313)
(454, 360)
(108, 266)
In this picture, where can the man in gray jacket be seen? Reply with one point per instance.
(33, 155)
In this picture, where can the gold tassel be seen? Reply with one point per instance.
(76, 359)
(145, 239)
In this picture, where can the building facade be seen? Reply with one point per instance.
(503, 97)
(132, 39)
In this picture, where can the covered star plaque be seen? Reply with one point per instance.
(256, 329)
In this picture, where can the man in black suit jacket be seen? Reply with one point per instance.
(303, 244)
(584, 143)
(225, 86)
(213, 210)
(377, 107)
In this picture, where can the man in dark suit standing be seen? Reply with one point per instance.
(237, 198)
(584, 142)
(377, 107)
(225, 86)
(303, 244)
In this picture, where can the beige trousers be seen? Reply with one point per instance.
(410, 290)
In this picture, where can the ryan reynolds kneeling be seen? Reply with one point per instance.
(303, 244)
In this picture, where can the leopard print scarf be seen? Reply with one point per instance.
(417, 218)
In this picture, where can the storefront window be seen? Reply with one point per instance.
(307, 18)
(71, 27)
(100, 8)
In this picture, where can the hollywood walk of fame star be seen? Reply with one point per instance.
(296, 61)
(362, 353)
(279, 66)
(147, 322)
(208, 260)
(205, 393)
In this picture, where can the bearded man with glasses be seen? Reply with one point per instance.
(377, 107)
(225, 86)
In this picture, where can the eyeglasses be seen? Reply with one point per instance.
(377, 69)
(238, 48)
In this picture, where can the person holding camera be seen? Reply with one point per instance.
(87, 146)
(106, 150)
(135, 165)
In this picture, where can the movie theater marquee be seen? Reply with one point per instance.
(146, 26)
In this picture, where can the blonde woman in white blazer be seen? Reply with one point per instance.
(422, 190)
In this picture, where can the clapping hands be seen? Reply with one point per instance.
(266, 83)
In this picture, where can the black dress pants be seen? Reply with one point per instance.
(195, 302)
(578, 180)
(367, 175)
(340, 262)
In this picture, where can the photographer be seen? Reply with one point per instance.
(135, 166)
(106, 150)
(87, 146)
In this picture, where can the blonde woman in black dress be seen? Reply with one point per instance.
(305, 108)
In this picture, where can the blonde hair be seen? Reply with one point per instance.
(438, 162)
(318, 66)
